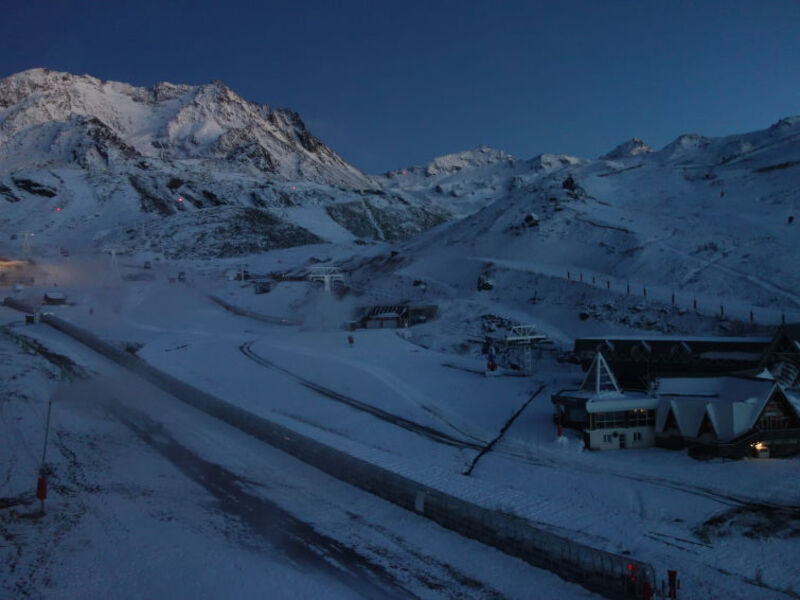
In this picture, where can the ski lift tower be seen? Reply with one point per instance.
(525, 337)
(26, 244)
(327, 275)
(113, 251)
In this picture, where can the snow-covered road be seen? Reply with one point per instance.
(152, 498)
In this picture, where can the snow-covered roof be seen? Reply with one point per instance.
(731, 355)
(612, 401)
(732, 404)
(765, 374)
(793, 396)
(678, 338)
(725, 387)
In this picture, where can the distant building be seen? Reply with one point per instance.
(395, 316)
(54, 298)
(637, 360)
(380, 317)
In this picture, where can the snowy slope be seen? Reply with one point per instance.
(705, 218)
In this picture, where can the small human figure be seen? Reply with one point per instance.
(791, 219)
(350, 340)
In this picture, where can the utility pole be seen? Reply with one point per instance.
(26, 244)
(113, 254)
(41, 484)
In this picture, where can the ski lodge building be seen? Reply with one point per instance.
(729, 415)
(394, 316)
(637, 360)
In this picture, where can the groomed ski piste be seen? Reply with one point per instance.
(415, 400)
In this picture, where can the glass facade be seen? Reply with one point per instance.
(638, 417)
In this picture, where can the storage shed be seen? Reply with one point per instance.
(54, 298)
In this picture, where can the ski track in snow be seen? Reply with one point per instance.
(423, 430)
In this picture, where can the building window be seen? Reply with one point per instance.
(639, 417)
(774, 416)
(609, 420)
(607, 439)
(637, 436)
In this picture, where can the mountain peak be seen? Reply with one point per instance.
(165, 122)
(469, 159)
(632, 147)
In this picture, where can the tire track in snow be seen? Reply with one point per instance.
(425, 431)
(299, 542)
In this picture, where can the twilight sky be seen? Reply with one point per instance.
(390, 84)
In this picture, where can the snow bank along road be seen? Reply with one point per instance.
(299, 521)
(595, 569)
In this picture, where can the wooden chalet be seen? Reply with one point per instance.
(729, 416)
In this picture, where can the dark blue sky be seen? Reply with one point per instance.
(390, 84)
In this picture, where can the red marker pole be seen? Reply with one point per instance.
(672, 577)
(647, 592)
(41, 488)
(41, 483)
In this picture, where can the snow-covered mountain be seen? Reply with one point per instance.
(711, 219)
(103, 159)
(632, 147)
(52, 119)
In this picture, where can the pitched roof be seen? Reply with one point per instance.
(732, 403)
(612, 401)
(600, 379)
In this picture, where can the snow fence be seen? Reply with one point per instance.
(611, 575)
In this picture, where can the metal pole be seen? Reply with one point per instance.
(41, 484)
(47, 430)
